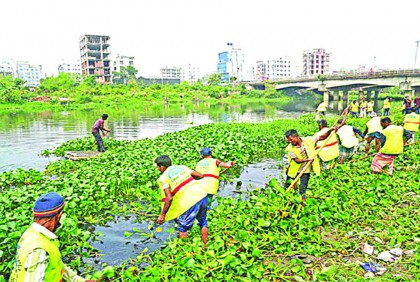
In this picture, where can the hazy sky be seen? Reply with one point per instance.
(177, 32)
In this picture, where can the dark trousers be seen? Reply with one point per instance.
(99, 141)
(304, 180)
(386, 112)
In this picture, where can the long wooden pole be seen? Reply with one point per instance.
(316, 154)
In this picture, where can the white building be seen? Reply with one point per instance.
(316, 62)
(172, 73)
(122, 61)
(231, 64)
(7, 67)
(70, 67)
(31, 74)
(192, 74)
(272, 69)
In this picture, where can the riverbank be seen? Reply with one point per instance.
(264, 237)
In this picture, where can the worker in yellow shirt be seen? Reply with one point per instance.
(387, 106)
(322, 108)
(183, 197)
(363, 108)
(369, 109)
(395, 137)
(354, 108)
(411, 123)
(373, 131)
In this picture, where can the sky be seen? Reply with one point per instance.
(161, 33)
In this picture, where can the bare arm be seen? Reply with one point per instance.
(196, 175)
(167, 205)
(229, 164)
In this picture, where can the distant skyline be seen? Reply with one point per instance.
(163, 33)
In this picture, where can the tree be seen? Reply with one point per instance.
(214, 79)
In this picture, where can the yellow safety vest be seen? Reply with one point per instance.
(30, 241)
(331, 149)
(412, 122)
(347, 137)
(294, 167)
(322, 107)
(211, 171)
(354, 107)
(363, 104)
(387, 104)
(186, 191)
(394, 143)
(374, 125)
(370, 107)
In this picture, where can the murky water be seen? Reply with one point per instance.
(23, 135)
(115, 247)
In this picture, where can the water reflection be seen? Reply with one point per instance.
(23, 135)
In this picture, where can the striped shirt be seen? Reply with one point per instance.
(38, 260)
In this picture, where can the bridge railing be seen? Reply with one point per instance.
(339, 76)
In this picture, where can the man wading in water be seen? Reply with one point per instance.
(99, 125)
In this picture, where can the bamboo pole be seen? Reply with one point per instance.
(316, 154)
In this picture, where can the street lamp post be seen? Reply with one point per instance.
(415, 57)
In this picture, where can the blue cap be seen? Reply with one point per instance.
(48, 205)
(205, 152)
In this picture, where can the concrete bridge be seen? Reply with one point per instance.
(370, 83)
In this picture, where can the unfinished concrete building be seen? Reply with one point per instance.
(95, 57)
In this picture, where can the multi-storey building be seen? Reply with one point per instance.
(316, 62)
(122, 61)
(70, 67)
(31, 74)
(7, 67)
(231, 64)
(172, 73)
(272, 69)
(95, 57)
(193, 74)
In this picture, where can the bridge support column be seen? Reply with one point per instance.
(376, 103)
(368, 94)
(346, 96)
(326, 97)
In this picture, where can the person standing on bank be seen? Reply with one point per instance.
(183, 197)
(354, 109)
(363, 108)
(38, 256)
(387, 106)
(97, 128)
(370, 106)
(395, 137)
(412, 122)
(300, 152)
(209, 167)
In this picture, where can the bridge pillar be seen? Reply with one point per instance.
(376, 102)
(346, 96)
(326, 96)
(368, 94)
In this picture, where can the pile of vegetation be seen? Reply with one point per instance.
(268, 235)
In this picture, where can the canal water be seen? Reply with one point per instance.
(25, 135)
(125, 238)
